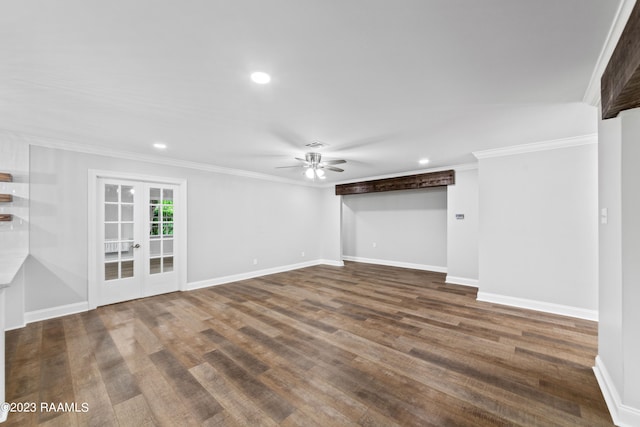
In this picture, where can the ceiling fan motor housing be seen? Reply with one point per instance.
(313, 158)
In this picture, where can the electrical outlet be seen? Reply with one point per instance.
(302, 253)
(255, 261)
(374, 244)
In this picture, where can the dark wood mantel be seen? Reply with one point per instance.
(620, 84)
(409, 182)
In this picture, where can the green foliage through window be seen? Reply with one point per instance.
(162, 218)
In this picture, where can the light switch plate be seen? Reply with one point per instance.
(604, 216)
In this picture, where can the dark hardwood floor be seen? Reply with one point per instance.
(321, 346)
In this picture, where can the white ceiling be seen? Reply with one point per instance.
(384, 83)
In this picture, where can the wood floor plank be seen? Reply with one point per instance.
(89, 387)
(293, 388)
(267, 399)
(118, 380)
(55, 379)
(238, 405)
(202, 404)
(167, 408)
(23, 369)
(134, 412)
(362, 344)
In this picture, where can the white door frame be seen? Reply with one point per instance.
(180, 227)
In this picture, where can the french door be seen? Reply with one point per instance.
(136, 224)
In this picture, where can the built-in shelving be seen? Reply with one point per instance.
(6, 198)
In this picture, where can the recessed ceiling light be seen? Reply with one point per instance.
(423, 161)
(260, 78)
(159, 145)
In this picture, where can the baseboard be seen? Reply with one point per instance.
(50, 313)
(623, 416)
(258, 273)
(331, 263)
(462, 281)
(401, 264)
(547, 307)
(3, 414)
(11, 328)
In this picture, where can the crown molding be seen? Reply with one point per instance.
(538, 146)
(592, 94)
(128, 155)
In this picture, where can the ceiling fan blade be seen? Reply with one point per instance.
(298, 158)
(296, 166)
(331, 168)
(334, 162)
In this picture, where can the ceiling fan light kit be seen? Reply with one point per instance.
(315, 167)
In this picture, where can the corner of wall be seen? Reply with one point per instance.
(462, 281)
(623, 415)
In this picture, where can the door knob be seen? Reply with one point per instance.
(136, 246)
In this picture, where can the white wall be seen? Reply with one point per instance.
(631, 256)
(462, 234)
(538, 230)
(610, 248)
(14, 235)
(331, 224)
(408, 228)
(617, 367)
(231, 221)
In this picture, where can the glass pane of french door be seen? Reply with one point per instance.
(161, 237)
(118, 231)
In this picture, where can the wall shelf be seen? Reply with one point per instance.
(6, 198)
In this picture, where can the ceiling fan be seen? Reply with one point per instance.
(315, 166)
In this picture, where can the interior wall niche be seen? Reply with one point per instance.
(401, 228)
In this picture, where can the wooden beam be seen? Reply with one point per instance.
(620, 83)
(410, 182)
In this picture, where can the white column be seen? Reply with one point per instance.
(3, 414)
(617, 366)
